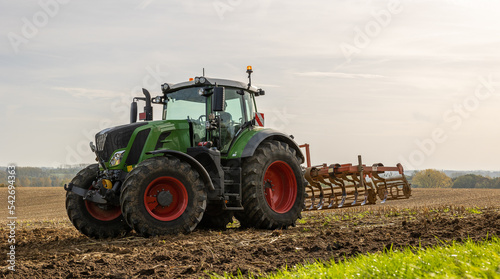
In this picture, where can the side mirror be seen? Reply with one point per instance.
(219, 99)
(133, 112)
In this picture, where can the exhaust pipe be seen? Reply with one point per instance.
(148, 109)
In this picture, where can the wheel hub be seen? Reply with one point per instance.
(165, 198)
(268, 184)
(280, 187)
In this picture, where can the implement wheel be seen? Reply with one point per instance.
(407, 191)
(163, 195)
(91, 219)
(273, 187)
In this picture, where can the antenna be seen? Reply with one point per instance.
(203, 71)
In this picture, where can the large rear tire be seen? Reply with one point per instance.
(91, 219)
(163, 195)
(273, 187)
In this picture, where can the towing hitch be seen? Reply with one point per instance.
(88, 195)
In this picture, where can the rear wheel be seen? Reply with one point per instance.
(91, 219)
(273, 187)
(163, 195)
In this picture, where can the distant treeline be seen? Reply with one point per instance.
(476, 181)
(438, 179)
(41, 177)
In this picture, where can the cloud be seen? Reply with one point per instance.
(337, 75)
(90, 93)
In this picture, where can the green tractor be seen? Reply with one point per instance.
(208, 160)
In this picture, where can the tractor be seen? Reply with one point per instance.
(207, 160)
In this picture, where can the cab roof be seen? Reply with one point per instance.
(213, 81)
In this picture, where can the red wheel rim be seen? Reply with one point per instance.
(100, 213)
(280, 187)
(173, 203)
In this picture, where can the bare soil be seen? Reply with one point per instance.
(49, 246)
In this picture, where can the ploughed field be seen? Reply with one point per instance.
(49, 246)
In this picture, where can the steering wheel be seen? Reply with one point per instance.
(200, 119)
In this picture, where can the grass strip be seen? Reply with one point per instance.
(456, 260)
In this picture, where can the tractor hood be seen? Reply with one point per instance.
(127, 145)
(111, 139)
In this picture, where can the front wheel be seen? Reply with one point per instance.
(91, 219)
(163, 195)
(273, 187)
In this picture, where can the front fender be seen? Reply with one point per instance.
(191, 161)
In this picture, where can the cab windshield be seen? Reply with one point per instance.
(185, 104)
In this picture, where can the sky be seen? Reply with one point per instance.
(416, 82)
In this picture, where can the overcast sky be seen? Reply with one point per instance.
(416, 82)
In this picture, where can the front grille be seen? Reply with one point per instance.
(114, 138)
(100, 140)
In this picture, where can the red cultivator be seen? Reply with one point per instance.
(344, 185)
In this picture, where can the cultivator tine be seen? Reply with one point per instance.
(361, 179)
(344, 196)
(332, 192)
(320, 204)
(313, 199)
(341, 185)
(314, 184)
(385, 193)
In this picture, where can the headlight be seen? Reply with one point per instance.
(116, 159)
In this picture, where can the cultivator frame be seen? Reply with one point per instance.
(341, 185)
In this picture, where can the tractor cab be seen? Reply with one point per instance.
(217, 110)
(216, 114)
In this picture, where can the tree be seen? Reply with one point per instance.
(46, 181)
(495, 183)
(24, 181)
(430, 178)
(473, 181)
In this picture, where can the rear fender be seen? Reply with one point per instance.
(269, 134)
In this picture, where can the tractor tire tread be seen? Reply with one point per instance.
(132, 197)
(256, 212)
(79, 216)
